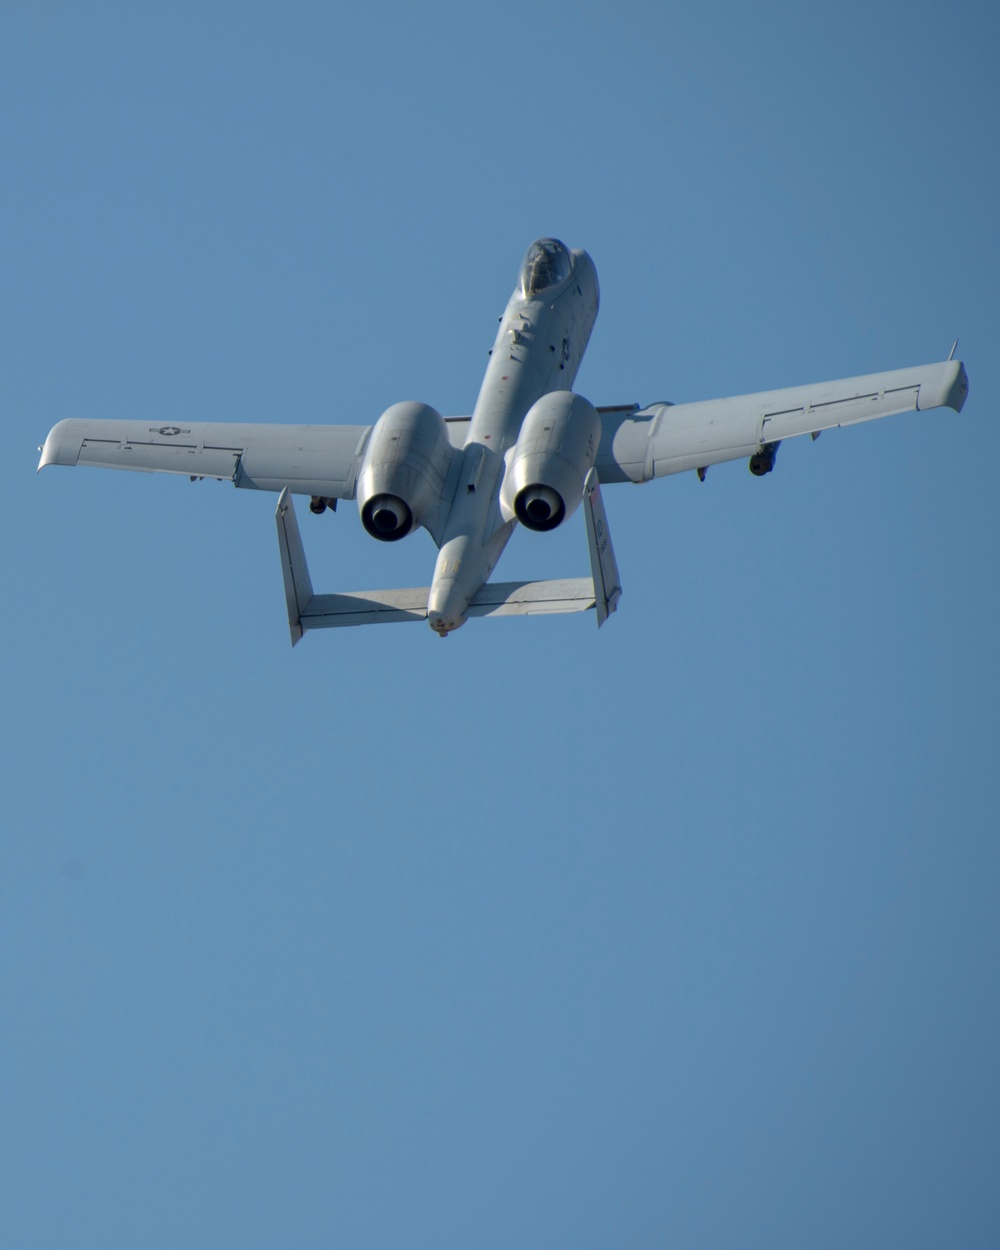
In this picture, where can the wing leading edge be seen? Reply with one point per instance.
(640, 444)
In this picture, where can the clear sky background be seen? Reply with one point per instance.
(683, 933)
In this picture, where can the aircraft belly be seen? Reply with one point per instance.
(525, 364)
(537, 350)
(464, 565)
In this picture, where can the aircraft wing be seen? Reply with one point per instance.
(321, 460)
(640, 444)
(309, 459)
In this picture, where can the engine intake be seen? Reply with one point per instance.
(402, 479)
(554, 452)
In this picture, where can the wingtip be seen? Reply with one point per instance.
(959, 391)
(57, 449)
(46, 453)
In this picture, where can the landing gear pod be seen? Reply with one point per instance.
(553, 455)
(762, 462)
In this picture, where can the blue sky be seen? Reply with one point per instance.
(684, 933)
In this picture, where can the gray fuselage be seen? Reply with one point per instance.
(538, 349)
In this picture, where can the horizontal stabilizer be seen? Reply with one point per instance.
(307, 610)
(374, 607)
(568, 594)
(366, 607)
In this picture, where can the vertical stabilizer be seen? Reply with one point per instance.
(294, 570)
(607, 583)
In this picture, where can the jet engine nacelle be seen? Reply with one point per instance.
(403, 475)
(554, 453)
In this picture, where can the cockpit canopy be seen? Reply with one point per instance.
(546, 264)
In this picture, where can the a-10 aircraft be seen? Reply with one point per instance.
(531, 452)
